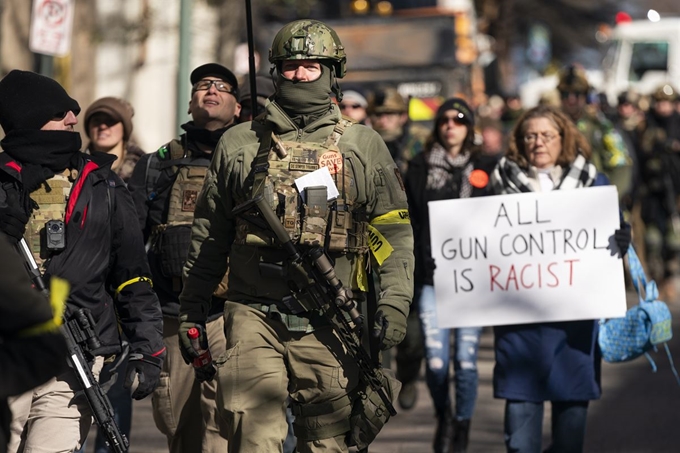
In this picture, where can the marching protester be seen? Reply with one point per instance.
(609, 151)
(388, 115)
(450, 167)
(108, 125)
(551, 361)
(74, 211)
(279, 344)
(164, 187)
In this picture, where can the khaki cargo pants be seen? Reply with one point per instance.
(183, 408)
(265, 363)
(52, 418)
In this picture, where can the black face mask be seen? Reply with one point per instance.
(41, 153)
(306, 99)
(203, 136)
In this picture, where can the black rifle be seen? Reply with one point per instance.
(325, 291)
(79, 331)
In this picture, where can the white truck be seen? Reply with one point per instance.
(643, 55)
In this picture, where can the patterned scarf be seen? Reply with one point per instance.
(442, 167)
(507, 177)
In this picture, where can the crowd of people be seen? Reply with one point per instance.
(160, 251)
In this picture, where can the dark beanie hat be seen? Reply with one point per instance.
(116, 108)
(29, 101)
(464, 111)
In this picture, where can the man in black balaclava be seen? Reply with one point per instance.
(280, 346)
(72, 210)
(164, 186)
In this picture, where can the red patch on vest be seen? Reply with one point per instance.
(479, 179)
(15, 166)
(332, 160)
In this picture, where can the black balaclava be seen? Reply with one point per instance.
(28, 101)
(304, 102)
(203, 136)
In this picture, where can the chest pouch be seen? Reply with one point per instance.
(309, 218)
(172, 240)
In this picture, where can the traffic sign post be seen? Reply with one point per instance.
(51, 27)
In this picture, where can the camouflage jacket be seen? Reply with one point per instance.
(610, 155)
(379, 191)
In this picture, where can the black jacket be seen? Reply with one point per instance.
(415, 184)
(152, 210)
(25, 362)
(104, 256)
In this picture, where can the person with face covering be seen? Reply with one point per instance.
(279, 344)
(551, 361)
(48, 183)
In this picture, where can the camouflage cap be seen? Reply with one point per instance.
(573, 79)
(665, 93)
(308, 39)
(387, 100)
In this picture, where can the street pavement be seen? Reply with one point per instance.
(639, 411)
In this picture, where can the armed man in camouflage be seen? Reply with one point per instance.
(273, 354)
(610, 155)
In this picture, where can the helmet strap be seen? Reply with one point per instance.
(335, 86)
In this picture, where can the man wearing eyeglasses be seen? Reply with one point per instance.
(165, 186)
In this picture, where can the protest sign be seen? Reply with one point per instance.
(525, 258)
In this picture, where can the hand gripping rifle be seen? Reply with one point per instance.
(326, 291)
(80, 334)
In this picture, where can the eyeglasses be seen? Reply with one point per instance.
(222, 87)
(547, 137)
(350, 106)
(458, 120)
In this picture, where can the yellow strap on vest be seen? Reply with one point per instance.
(131, 281)
(399, 216)
(379, 246)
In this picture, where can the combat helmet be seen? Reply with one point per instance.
(573, 79)
(665, 93)
(308, 39)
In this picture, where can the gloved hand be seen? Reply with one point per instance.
(389, 327)
(622, 237)
(430, 266)
(13, 223)
(189, 353)
(144, 369)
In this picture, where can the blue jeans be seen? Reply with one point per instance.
(524, 426)
(438, 356)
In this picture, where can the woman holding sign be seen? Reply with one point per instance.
(450, 167)
(557, 361)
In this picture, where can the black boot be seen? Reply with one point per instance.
(443, 437)
(460, 436)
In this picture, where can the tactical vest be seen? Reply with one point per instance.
(308, 216)
(171, 240)
(51, 206)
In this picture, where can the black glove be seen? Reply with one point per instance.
(430, 266)
(622, 237)
(13, 223)
(146, 370)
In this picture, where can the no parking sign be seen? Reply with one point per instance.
(51, 26)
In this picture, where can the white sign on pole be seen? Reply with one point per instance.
(51, 27)
(525, 258)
